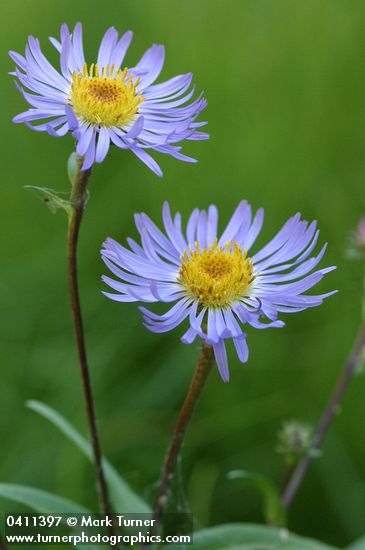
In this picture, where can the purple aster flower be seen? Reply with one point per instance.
(103, 103)
(215, 284)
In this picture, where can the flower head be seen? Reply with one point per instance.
(105, 103)
(216, 282)
(295, 438)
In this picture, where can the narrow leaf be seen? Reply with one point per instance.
(123, 498)
(273, 509)
(42, 502)
(239, 536)
(51, 198)
(359, 544)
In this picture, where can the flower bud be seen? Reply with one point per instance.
(294, 438)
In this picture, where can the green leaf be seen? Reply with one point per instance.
(359, 544)
(51, 198)
(42, 502)
(72, 167)
(238, 536)
(123, 498)
(273, 509)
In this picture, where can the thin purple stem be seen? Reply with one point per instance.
(78, 199)
(200, 376)
(353, 361)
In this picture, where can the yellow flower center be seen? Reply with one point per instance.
(105, 97)
(216, 276)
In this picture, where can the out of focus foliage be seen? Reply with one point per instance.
(285, 83)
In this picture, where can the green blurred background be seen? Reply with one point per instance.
(285, 84)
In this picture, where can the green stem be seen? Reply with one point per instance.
(78, 198)
(202, 371)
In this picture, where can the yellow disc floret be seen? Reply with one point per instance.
(107, 97)
(216, 276)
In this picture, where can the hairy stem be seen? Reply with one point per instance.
(354, 360)
(202, 371)
(78, 199)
